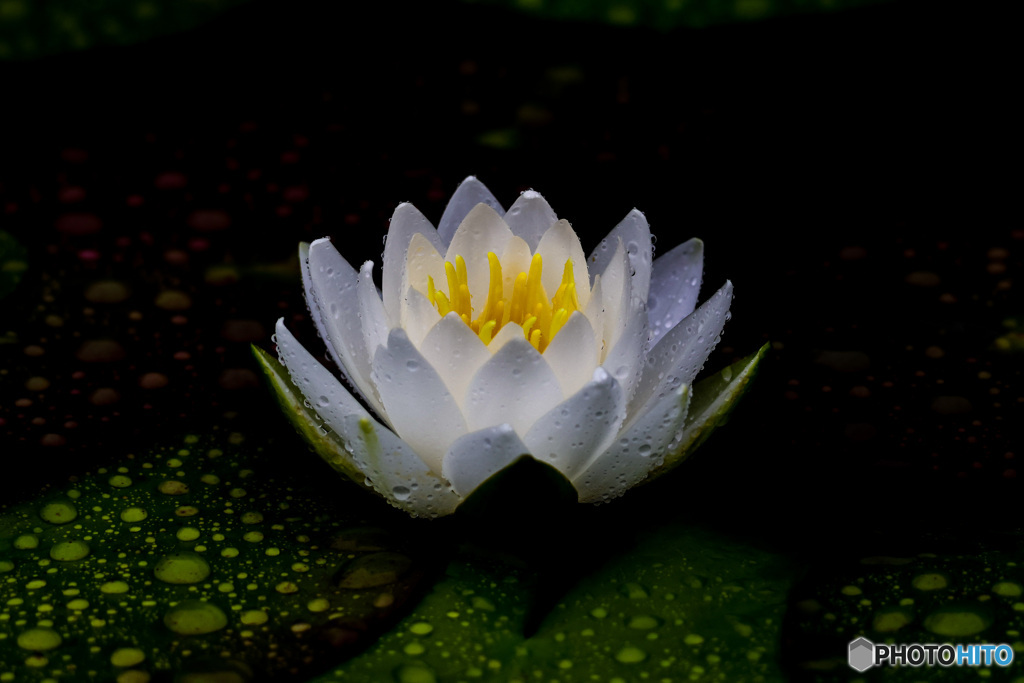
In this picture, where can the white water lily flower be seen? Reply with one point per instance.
(494, 337)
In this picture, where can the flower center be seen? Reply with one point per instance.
(528, 306)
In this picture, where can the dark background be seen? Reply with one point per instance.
(854, 174)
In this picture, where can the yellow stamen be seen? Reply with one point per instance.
(486, 330)
(444, 307)
(528, 304)
(573, 300)
(501, 314)
(533, 284)
(494, 290)
(535, 339)
(542, 309)
(466, 310)
(518, 308)
(557, 321)
(453, 286)
(528, 325)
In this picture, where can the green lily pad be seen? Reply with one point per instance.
(324, 443)
(208, 558)
(955, 592)
(684, 604)
(713, 399)
(13, 262)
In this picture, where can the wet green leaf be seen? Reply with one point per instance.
(324, 443)
(713, 399)
(211, 555)
(933, 588)
(684, 603)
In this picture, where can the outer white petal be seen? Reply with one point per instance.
(572, 433)
(389, 464)
(418, 315)
(636, 236)
(371, 310)
(516, 386)
(558, 245)
(331, 286)
(625, 361)
(476, 456)
(422, 410)
(572, 354)
(405, 222)
(617, 292)
(595, 314)
(675, 285)
(681, 353)
(530, 217)
(456, 352)
(638, 450)
(468, 194)
(482, 231)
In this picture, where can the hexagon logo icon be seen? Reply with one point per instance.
(862, 654)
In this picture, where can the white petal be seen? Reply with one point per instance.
(681, 353)
(516, 386)
(625, 361)
(456, 352)
(331, 292)
(616, 285)
(389, 464)
(478, 455)
(468, 194)
(636, 236)
(574, 432)
(515, 260)
(371, 310)
(675, 285)
(558, 245)
(530, 217)
(638, 450)
(424, 413)
(405, 222)
(595, 314)
(346, 282)
(482, 231)
(418, 316)
(572, 354)
(422, 263)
